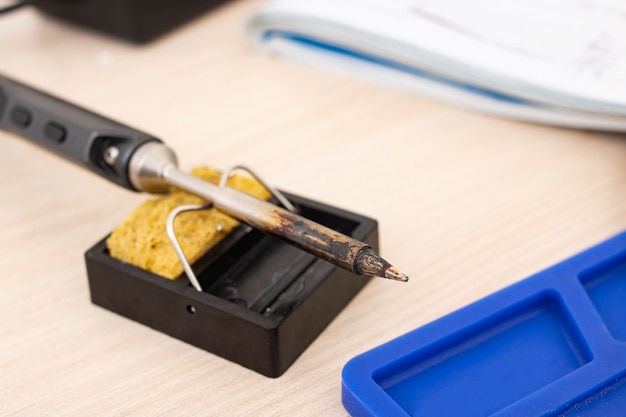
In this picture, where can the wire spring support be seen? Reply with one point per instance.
(169, 225)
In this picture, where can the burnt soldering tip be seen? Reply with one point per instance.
(369, 262)
(393, 273)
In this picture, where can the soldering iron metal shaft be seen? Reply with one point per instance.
(153, 168)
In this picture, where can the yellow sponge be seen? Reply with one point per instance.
(141, 239)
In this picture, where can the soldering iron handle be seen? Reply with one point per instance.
(94, 142)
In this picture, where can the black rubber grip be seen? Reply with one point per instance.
(92, 141)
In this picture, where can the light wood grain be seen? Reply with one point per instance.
(467, 204)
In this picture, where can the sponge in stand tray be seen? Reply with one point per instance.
(142, 240)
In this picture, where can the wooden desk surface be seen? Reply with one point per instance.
(474, 204)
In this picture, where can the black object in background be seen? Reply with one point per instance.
(17, 5)
(138, 21)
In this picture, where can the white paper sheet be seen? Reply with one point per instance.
(568, 54)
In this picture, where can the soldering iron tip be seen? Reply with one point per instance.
(393, 273)
(370, 263)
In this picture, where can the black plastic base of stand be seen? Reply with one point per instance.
(264, 300)
(134, 20)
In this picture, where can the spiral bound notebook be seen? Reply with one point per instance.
(560, 62)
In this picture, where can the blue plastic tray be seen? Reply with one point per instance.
(551, 345)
